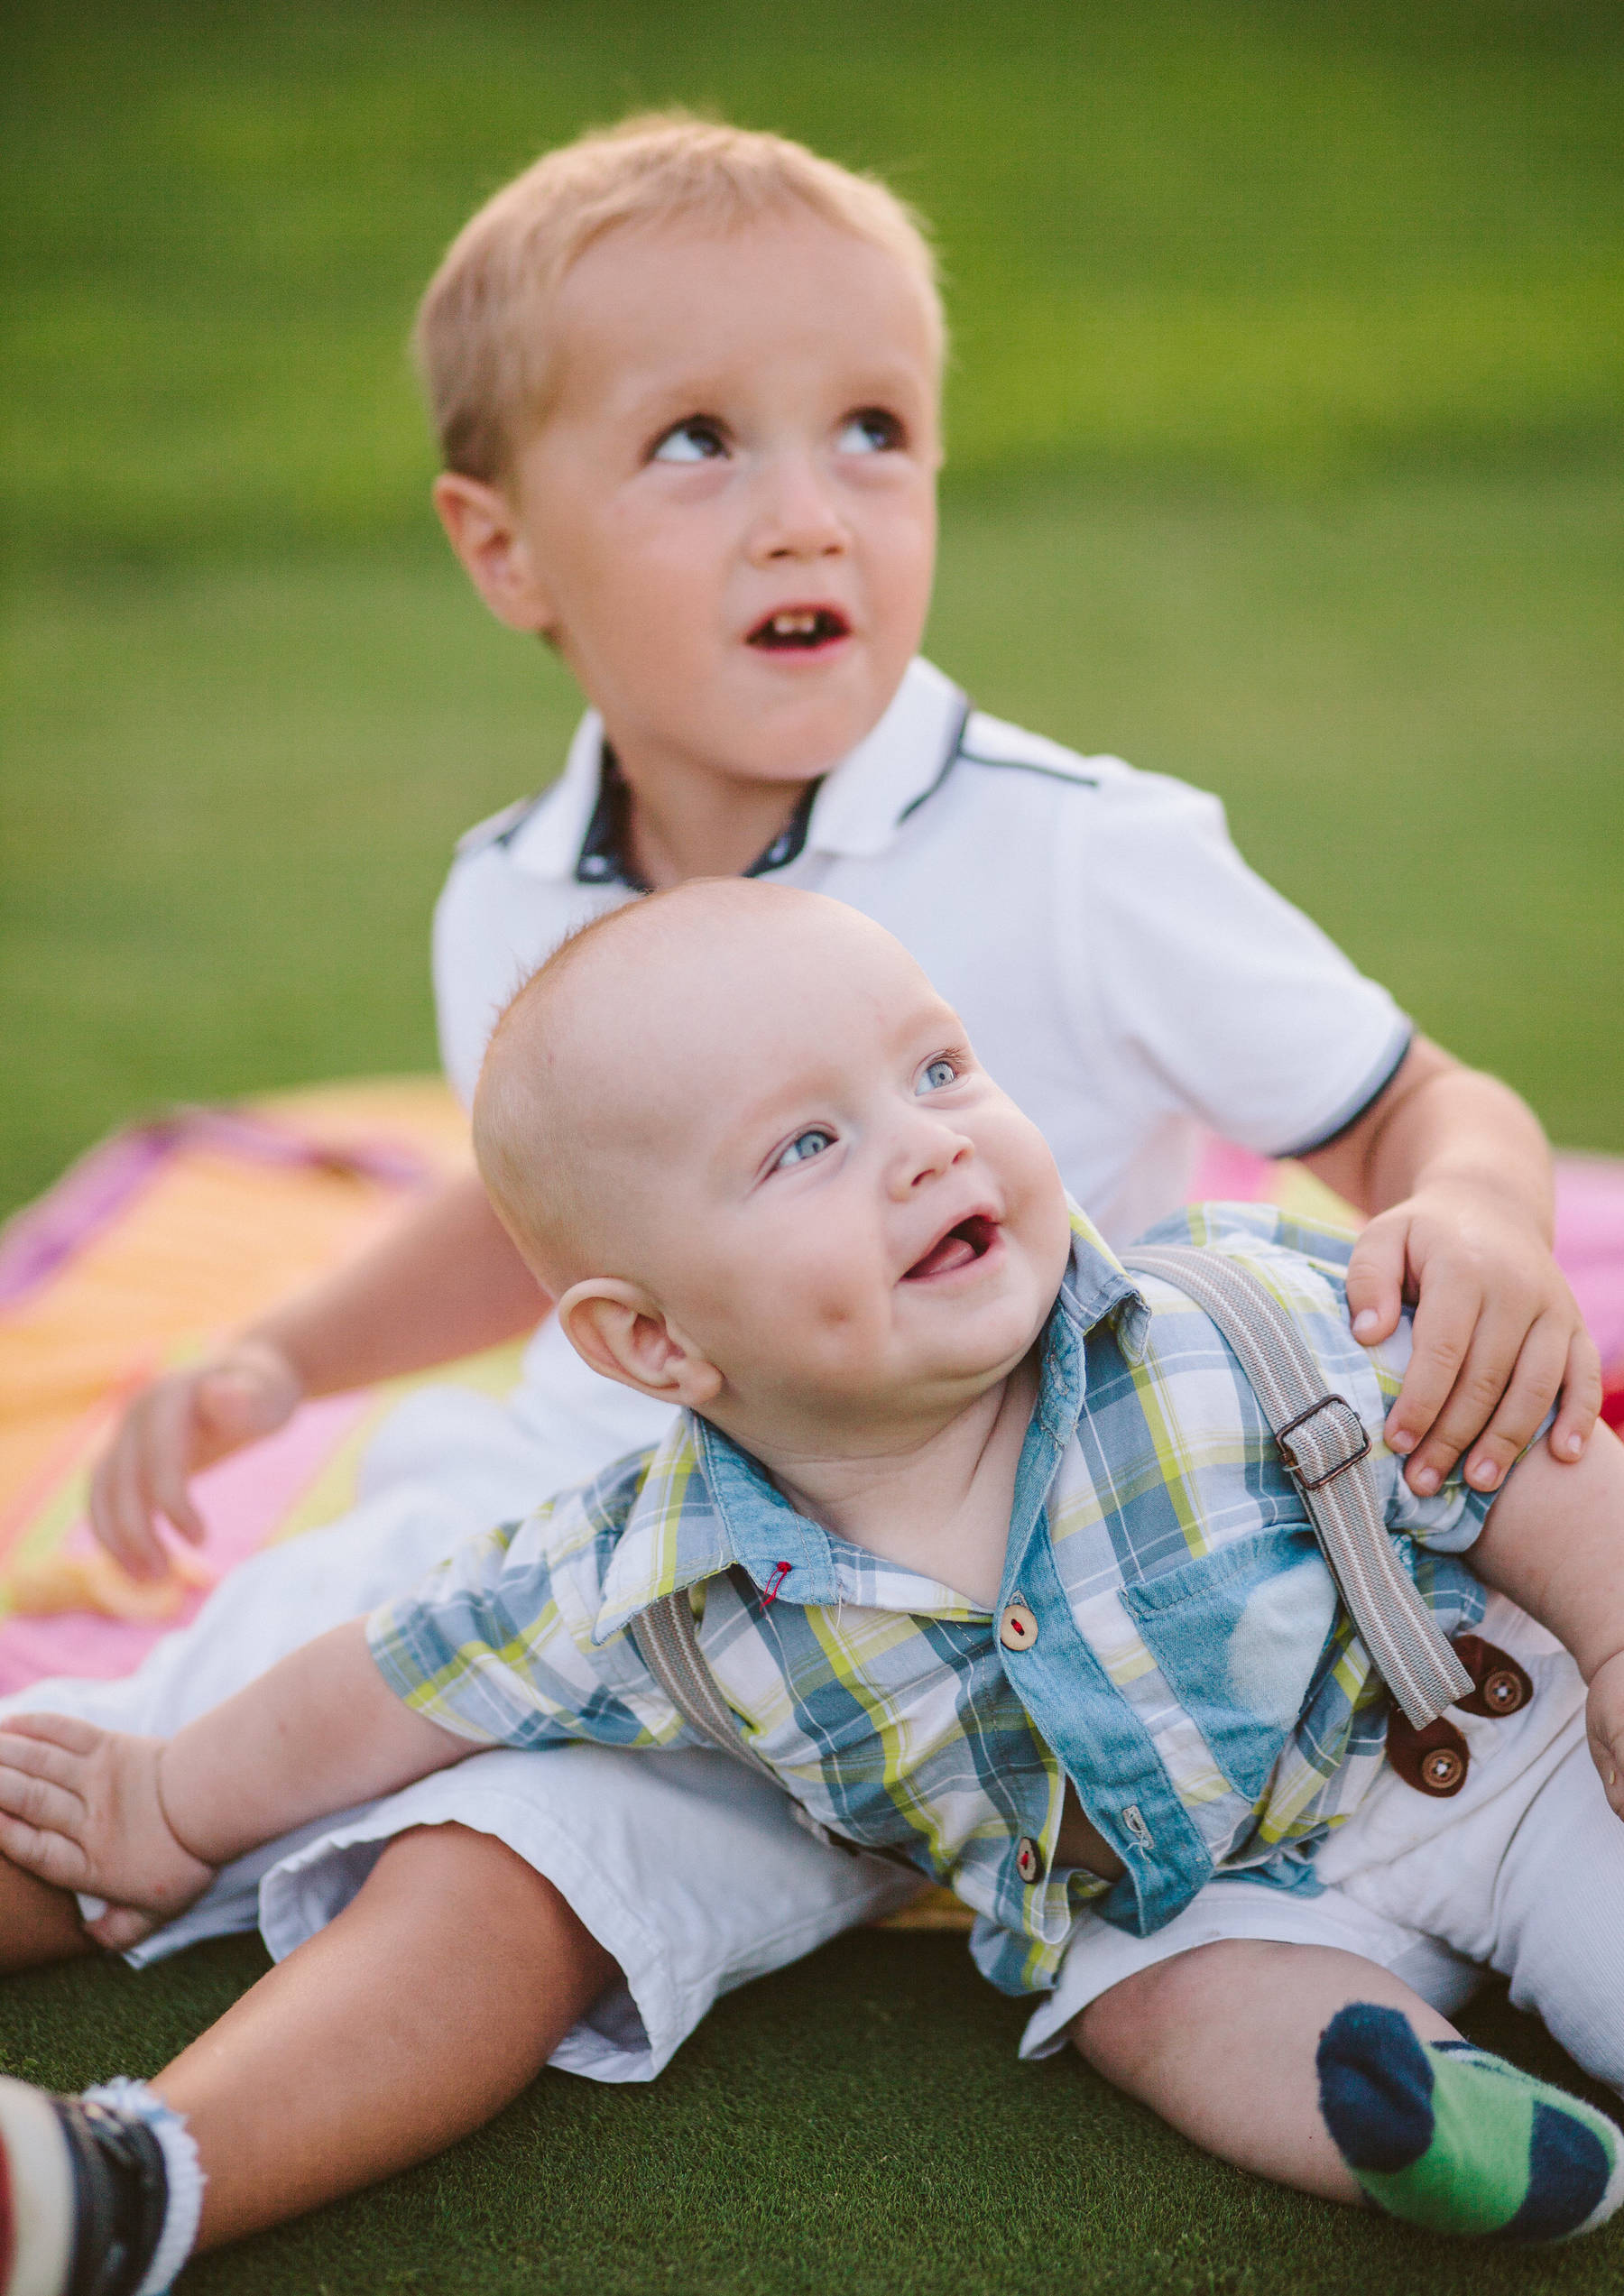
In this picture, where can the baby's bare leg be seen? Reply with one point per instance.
(1323, 2071)
(38, 1923)
(435, 1996)
(1221, 2042)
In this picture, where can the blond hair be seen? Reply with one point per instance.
(484, 346)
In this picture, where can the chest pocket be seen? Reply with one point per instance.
(1236, 1636)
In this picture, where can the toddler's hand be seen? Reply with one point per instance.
(1604, 1723)
(80, 1807)
(1497, 1335)
(175, 1427)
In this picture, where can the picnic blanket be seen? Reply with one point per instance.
(174, 1232)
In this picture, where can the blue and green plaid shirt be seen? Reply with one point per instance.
(1193, 1672)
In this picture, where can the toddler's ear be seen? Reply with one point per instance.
(484, 529)
(625, 1334)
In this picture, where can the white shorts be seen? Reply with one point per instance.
(1521, 1873)
(685, 1865)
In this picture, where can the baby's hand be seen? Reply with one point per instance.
(80, 1807)
(177, 1425)
(1604, 1721)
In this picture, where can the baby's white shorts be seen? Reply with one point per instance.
(1522, 1873)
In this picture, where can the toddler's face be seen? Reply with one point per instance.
(828, 1195)
(731, 506)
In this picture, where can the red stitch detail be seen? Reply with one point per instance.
(769, 1592)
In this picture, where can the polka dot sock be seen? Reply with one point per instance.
(1444, 2135)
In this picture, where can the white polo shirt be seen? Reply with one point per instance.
(1121, 972)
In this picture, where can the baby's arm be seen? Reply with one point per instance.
(1553, 1541)
(144, 1822)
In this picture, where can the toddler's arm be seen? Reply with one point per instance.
(1553, 1541)
(144, 1822)
(443, 1284)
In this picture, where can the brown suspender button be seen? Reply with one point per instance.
(1435, 1760)
(1499, 1685)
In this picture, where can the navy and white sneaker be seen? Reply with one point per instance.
(84, 2193)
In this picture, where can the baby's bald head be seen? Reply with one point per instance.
(627, 1034)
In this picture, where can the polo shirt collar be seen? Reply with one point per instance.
(860, 805)
(706, 1506)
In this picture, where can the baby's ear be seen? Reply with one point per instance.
(623, 1331)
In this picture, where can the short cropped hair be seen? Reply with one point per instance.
(484, 346)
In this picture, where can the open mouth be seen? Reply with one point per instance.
(799, 629)
(972, 1240)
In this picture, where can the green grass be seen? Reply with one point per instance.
(1287, 421)
(1282, 239)
(859, 2123)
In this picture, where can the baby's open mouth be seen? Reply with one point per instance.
(973, 1238)
(799, 629)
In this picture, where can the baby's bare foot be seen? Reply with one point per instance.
(81, 1808)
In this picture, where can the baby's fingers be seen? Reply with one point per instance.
(39, 1826)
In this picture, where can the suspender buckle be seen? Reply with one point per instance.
(1323, 1451)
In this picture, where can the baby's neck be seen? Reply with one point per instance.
(940, 1503)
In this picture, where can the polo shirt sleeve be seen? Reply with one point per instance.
(495, 1643)
(1204, 986)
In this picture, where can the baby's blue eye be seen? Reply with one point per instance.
(694, 441)
(939, 1073)
(805, 1146)
(870, 431)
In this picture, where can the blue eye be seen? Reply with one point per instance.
(804, 1146)
(938, 1072)
(696, 440)
(870, 431)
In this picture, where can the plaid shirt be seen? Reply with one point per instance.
(1192, 1672)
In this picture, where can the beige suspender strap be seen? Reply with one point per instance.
(1326, 1450)
(668, 1643)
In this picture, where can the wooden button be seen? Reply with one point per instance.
(1027, 1864)
(1018, 1628)
(1434, 1760)
(1499, 1685)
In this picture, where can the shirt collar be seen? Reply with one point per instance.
(706, 1504)
(858, 807)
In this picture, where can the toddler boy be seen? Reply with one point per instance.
(686, 380)
(1000, 1573)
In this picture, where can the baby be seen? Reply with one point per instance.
(998, 1569)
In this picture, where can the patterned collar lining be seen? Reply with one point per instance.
(606, 858)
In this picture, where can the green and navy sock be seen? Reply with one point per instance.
(1444, 2135)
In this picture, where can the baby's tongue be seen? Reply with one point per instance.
(953, 1251)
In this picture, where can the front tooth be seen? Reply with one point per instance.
(794, 625)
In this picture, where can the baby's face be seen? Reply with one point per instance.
(825, 1192)
(731, 506)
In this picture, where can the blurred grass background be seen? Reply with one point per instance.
(1287, 418)
(1286, 422)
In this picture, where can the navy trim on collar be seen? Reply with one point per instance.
(605, 858)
